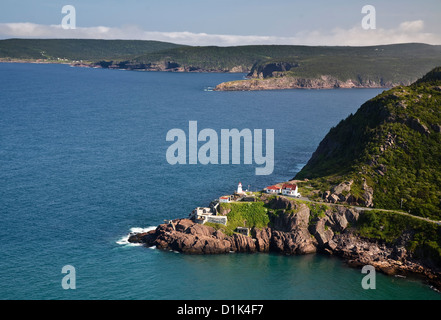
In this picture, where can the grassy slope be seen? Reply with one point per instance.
(243, 214)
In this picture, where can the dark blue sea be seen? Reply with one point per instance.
(83, 162)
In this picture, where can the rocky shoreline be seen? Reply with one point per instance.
(295, 233)
(165, 66)
(251, 84)
(280, 83)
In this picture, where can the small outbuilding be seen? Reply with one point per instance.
(243, 230)
(225, 199)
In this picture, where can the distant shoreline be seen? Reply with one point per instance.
(283, 83)
(323, 82)
(33, 61)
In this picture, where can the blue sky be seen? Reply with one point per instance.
(227, 22)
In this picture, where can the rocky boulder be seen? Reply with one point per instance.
(263, 239)
(298, 241)
(242, 243)
(290, 221)
(322, 233)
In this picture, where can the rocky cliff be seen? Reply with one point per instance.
(271, 69)
(165, 65)
(295, 229)
(286, 82)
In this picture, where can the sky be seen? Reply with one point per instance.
(228, 22)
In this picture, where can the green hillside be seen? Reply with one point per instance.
(393, 63)
(392, 144)
(390, 63)
(384, 65)
(78, 49)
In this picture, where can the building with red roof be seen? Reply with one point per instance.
(289, 189)
(273, 189)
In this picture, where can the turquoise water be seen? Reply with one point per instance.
(82, 159)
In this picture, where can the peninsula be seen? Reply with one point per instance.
(371, 195)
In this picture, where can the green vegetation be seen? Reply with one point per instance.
(77, 49)
(393, 142)
(392, 228)
(386, 64)
(244, 214)
(206, 58)
(402, 63)
(317, 211)
(421, 238)
(260, 214)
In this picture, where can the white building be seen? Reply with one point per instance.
(273, 189)
(200, 211)
(203, 215)
(239, 188)
(225, 199)
(290, 190)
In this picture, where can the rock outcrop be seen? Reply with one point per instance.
(186, 236)
(272, 69)
(341, 193)
(183, 235)
(168, 66)
(293, 231)
(286, 82)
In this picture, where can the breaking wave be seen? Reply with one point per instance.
(124, 241)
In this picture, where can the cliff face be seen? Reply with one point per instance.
(287, 82)
(271, 69)
(289, 235)
(295, 228)
(165, 65)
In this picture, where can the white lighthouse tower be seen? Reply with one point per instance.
(239, 188)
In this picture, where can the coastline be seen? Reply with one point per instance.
(324, 82)
(283, 239)
(295, 230)
(35, 61)
(283, 83)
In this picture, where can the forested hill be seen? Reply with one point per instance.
(267, 66)
(387, 154)
(77, 49)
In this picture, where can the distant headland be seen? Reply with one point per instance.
(268, 67)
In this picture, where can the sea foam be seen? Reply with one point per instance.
(124, 241)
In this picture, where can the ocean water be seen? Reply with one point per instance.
(83, 162)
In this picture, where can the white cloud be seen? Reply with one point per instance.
(408, 31)
(412, 26)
